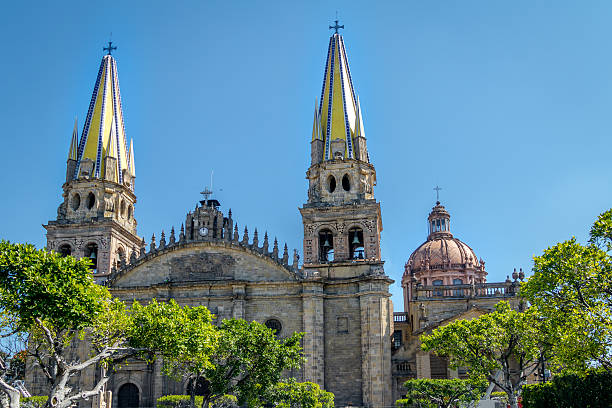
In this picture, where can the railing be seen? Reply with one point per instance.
(479, 290)
(400, 317)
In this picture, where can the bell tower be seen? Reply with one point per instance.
(96, 218)
(342, 221)
(347, 310)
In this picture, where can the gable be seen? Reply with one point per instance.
(201, 262)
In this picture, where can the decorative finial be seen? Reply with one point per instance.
(336, 26)
(110, 48)
(437, 194)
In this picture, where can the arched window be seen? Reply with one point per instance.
(437, 292)
(91, 200)
(331, 183)
(128, 396)
(91, 252)
(274, 325)
(121, 254)
(357, 250)
(326, 246)
(130, 212)
(65, 250)
(346, 183)
(122, 209)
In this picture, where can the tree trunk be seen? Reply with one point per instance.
(512, 400)
(13, 397)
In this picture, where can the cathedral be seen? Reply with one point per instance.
(355, 345)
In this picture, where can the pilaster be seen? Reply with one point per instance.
(314, 338)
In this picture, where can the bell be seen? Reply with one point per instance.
(356, 239)
(326, 243)
(93, 255)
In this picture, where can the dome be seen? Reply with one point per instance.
(443, 252)
(443, 258)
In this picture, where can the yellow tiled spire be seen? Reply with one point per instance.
(338, 104)
(104, 132)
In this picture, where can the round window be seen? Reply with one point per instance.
(274, 325)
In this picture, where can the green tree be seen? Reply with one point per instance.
(292, 394)
(504, 340)
(572, 288)
(247, 362)
(454, 393)
(53, 302)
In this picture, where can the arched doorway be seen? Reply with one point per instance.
(128, 396)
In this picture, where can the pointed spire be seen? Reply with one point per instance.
(104, 128)
(285, 255)
(316, 126)
(182, 234)
(255, 239)
(338, 104)
(143, 248)
(162, 240)
(131, 159)
(236, 232)
(133, 256)
(275, 250)
(265, 243)
(74, 142)
(153, 243)
(245, 237)
(172, 237)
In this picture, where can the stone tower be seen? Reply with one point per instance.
(96, 218)
(346, 286)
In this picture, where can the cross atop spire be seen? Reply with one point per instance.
(110, 48)
(437, 194)
(336, 26)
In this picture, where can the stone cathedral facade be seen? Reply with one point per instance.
(355, 346)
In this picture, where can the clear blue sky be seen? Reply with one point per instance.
(505, 105)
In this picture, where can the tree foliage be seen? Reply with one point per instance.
(504, 341)
(248, 361)
(572, 288)
(72, 324)
(292, 394)
(454, 393)
(586, 390)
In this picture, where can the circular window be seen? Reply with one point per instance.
(331, 184)
(274, 325)
(75, 203)
(91, 200)
(346, 183)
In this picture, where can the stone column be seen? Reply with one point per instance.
(157, 381)
(314, 339)
(375, 308)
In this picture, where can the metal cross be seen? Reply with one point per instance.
(437, 193)
(206, 193)
(336, 26)
(110, 48)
